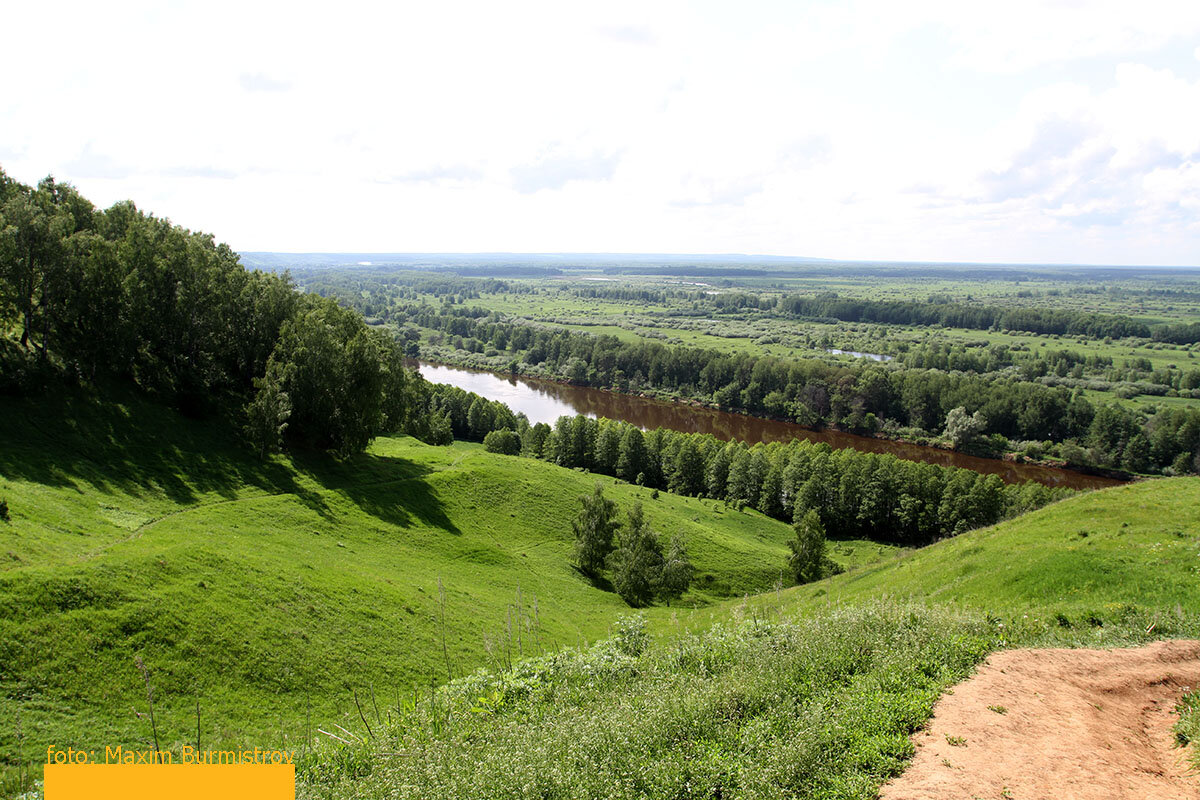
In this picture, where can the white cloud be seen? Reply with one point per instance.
(258, 82)
(932, 129)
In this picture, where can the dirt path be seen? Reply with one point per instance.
(1059, 725)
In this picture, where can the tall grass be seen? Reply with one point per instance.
(816, 707)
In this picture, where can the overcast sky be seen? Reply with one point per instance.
(1027, 132)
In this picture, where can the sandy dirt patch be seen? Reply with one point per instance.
(1061, 725)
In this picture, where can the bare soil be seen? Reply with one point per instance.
(1062, 725)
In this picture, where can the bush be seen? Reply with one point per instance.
(502, 441)
(4, 510)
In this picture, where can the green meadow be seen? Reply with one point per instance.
(1091, 560)
(808, 692)
(270, 592)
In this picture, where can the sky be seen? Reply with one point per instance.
(923, 130)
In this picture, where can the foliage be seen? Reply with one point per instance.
(502, 441)
(790, 707)
(808, 560)
(122, 294)
(1030, 396)
(961, 316)
(636, 563)
(962, 428)
(267, 414)
(594, 529)
(677, 570)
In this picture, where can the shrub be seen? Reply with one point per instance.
(4, 510)
(502, 441)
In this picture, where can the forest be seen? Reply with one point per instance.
(97, 295)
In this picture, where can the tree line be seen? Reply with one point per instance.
(862, 398)
(120, 294)
(854, 494)
(959, 315)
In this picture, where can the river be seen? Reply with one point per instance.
(546, 401)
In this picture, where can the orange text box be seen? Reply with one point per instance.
(176, 781)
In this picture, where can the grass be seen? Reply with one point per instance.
(1124, 552)
(272, 592)
(260, 588)
(786, 707)
(807, 692)
(784, 703)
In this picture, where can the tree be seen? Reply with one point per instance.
(770, 499)
(807, 561)
(676, 572)
(594, 530)
(716, 474)
(267, 414)
(480, 417)
(439, 431)
(533, 440)
(335, 376)
(502, 441)
(688, 476)
(632, 458)
(963, 428)
(637, 561)
(608, 446)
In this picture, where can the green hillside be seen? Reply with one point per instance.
(1097, 557)
(808, 692)
(263, 587)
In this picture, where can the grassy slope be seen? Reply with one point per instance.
(814, 698)
(1128, 550)
(261, 587)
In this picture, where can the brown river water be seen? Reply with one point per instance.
(546, 401)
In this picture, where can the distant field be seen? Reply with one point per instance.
(754, 333)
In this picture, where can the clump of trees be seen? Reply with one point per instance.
(641, 572)
(122, 294)
(503, 441)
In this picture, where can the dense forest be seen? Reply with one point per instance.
(956, 315)
(119, 294)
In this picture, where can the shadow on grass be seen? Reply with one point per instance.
(597, 581)
(121, 443)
